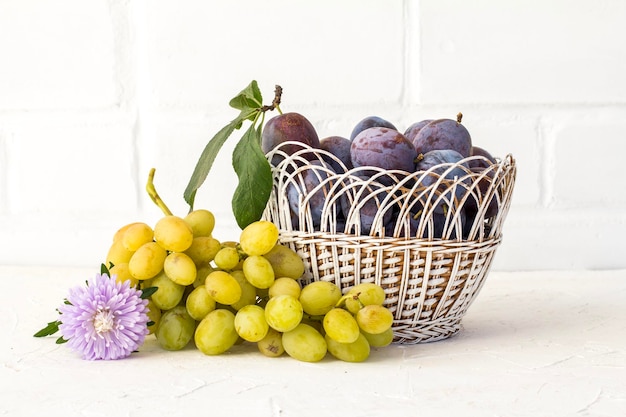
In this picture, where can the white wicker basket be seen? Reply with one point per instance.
(429, 281)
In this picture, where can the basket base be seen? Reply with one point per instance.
(429, 332)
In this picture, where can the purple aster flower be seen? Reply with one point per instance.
(105, 319)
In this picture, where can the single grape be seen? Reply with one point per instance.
(202, 222)
(176, 329)
(203, 250)
(304, 343)
(119, 234)
(379, 340)
(363, 294)
(374, 319)
(285, 261)
(180, 268)
(216, 332)
(169, 293)
(122, 273)
(199, 303)
(319, 297)
(356, 351)
(173, 234)
(226, 258)
(118, 254)
(154, 316)
(223, 287)
(147, 261)
(283, 313)
(258, 271)
(250, 323)
(201, 275)
(272, 344)
(136, 235)
(285, 286)
(248, 291)
(340, 325)
(258, 238)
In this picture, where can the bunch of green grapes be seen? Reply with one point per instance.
(220, 293)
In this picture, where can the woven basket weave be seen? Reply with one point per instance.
(429, 280)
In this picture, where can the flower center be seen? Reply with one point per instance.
(103, 321)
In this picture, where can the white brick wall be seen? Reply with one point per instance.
(93, 94)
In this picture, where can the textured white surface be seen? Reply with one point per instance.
(533, 344)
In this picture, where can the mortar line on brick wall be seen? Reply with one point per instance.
(3, 175)
(406, 65)
(546, 175)
(143, 128)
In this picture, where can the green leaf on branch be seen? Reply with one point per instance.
(249, 98)
(205, 162)
(255, 178)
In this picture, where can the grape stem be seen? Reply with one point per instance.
(154, 196)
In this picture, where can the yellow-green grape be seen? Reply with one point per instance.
(272, 344)
(258, 238)
(285, 261)
(118, 254)
(147, 261)
(364, 294)
(216, 332)
(226, 258)
(203, 250)
(201, 275)
(136, 235)
(304, 343)
(341, 326)
(374, 319)
(154, 316)
(319, 297)
(284, 285)
(258, 271)
(176, 329)
(119, 234)
(381, 339)
(121, 273)
(223, 287)
(248, 291)
(283, 313)
(356, 351)
(173, 234)
(201, 222)
(250, 323)
(169, 293)
(180, 268)
(199, 303)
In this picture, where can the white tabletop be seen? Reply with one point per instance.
(532, 344)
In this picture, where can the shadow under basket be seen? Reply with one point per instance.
(427, 238)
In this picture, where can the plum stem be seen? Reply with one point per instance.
(278, 92)
(459, 117)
